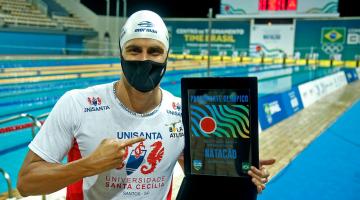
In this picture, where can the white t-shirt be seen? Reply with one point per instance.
(81, 119)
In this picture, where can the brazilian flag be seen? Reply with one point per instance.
(333, 35)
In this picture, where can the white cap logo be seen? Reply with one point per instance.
(144, 24)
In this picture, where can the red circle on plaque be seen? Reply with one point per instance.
(208, 124)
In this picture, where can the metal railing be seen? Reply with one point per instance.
(42, 116)
(8, 181)
(35, 124)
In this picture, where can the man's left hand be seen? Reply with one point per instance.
(260, 176)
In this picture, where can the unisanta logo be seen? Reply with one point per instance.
(139, 158)
(176, 109)
(94, 101)
(95, 105)
(145, 24)
(176, 106)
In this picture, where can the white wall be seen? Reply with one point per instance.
(80, 11)
(98, 22)
(113, 25)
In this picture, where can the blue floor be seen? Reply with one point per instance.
(328, 169)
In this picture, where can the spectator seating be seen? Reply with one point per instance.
(23, 13)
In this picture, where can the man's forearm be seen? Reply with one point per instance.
(42, 177)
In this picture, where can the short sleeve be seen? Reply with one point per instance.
(56, 136)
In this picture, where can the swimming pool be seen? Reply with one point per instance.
(39, 97)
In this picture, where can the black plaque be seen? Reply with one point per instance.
(221, 136)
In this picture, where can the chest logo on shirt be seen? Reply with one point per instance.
(176, 109)
(138, 158)
(176, 106)
(94, 101)
(95, 105)
(176, 129)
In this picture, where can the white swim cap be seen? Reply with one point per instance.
(144, 24)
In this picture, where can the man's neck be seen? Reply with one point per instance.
(137, 101)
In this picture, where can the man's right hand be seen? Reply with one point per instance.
(35, 172)
(108, 155)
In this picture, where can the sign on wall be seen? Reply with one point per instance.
(332, 40)
(191, 37)
(328, 38)
(272, 40)
(271, 110)
(316, 89)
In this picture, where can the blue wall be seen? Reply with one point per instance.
(38, 43)
(74, 44)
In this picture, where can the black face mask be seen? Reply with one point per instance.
(145, 75)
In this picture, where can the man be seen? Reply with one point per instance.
(116, 135)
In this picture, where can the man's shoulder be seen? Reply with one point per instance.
(90, 94)
(92, 90)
